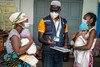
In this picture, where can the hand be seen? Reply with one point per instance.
(73, 46)
(72, 42)
(50, 41)
(65, 46)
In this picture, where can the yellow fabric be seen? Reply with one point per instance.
(42, 28)
(66, 29)
(55, 21)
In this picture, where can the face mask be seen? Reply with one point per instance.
(25, 33)
(54, 14)
(26, 25)
(84, 21)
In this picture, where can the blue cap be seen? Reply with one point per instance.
(83, 26)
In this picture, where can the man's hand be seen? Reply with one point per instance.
(50, 41)
(65, 46)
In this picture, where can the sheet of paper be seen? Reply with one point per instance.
(30, 59)
(61, 49)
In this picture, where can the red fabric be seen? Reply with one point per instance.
(91, 61)
(75, 64)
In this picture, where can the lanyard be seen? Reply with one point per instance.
(58, 26)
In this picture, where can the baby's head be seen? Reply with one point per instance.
(25, 33)
(83, 28)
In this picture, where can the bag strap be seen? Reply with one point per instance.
(82, 40)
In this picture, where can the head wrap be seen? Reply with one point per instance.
(18, 17)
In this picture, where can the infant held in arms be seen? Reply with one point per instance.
(24, 40)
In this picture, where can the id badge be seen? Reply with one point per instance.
(56, 39)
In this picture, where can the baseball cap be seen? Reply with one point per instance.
(56, 3)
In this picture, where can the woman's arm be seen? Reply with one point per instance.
(90, 41)
(18, 49)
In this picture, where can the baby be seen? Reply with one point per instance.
(32, 49)
(24, 41)
(80, 56)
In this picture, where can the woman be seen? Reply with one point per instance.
(91, 35)
(13, 43)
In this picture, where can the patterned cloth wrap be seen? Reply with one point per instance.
(12, 60)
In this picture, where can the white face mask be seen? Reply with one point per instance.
(84, 21)
(54, 14)
(26, 25)
(25, 33)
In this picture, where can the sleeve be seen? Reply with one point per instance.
(66, 25)
(12, 33)
(41, 26)
(66, 28)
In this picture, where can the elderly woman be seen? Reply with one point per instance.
(91, 37)
(13, 43)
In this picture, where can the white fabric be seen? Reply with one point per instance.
(84, 21)
(54, 14)
(56, 3)
(81, 57)
(24, 41)
(8, 44)
(26, 25)
(59, 29)
(32, 49)
(14, 17)
(85, 59)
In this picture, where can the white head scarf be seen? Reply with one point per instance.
(18, 17)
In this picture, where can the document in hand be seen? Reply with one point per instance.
(61, 49)
(30, 59)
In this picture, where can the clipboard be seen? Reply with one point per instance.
(61, 49)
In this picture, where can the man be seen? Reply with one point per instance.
(53, 31)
